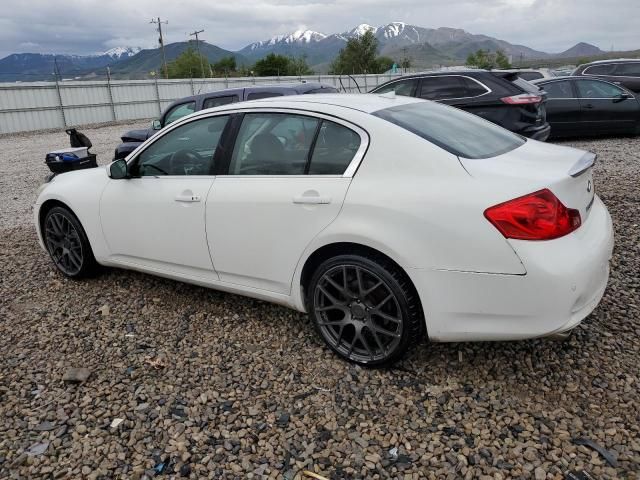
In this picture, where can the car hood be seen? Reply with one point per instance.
(137, 135)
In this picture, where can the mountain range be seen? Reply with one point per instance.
(425, 47)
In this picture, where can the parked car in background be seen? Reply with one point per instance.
(626, 72)
(530, 73)
(500, 97)
(584, 106)
(195, 103)
(384, 219)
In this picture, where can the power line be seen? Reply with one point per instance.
(198, 47)
(161, 40)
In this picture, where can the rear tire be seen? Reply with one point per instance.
(67, 244)
(365, 309)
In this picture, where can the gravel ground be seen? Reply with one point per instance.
(201, 384)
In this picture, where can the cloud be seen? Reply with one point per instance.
(89, 26)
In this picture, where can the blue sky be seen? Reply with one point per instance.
(89, 26)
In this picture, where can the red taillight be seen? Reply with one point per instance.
(522, 99)
(537, 216)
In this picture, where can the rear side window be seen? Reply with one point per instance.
(558, 90)
(628, 69)
(402, 87)
(259, 95)
(335, 147)
(473, 88)
(599, 70)
(453, 130)
(440, 88)
(217, 101)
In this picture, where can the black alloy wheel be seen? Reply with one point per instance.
(366, 310)
(67, 243)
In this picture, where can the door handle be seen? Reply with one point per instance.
(187, 198)
(312, 200)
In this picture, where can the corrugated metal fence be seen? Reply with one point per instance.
(43, 105)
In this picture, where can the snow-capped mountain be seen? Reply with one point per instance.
(297, 37)
(121, 52)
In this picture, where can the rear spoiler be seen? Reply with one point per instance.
(582, 165)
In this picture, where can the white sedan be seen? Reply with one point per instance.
(384, 218)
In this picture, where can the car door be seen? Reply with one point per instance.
(286, 180)
(603, 109)
(563, 108)
(156, 219)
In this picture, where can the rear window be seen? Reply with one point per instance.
(456, 131)
(526, 86)
(530, 75)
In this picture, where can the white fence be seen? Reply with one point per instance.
(43, 105)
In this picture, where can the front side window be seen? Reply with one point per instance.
(273, 144)
(218, 101)
(458, 132)
(186, 150)
(558, 90)
(402, 87)
(628, 69)
(259, 95)
(599, 70)
(595, 89)
(442, 88)
(179, 111)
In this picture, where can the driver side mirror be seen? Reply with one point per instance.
(156, 125)
(119, 169)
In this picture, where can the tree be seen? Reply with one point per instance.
(278, 65)
(358, 56)
(187, 65)
(487, 60)
(225, 66)
(384, 64)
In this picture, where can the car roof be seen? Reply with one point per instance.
(363, 102)
(293, 88)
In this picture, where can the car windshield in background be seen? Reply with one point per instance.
(457, 132)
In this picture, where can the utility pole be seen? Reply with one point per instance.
(198, 47)
(161, 40)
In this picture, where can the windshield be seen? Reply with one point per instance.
(457, 132)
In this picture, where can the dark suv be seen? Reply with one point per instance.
(626, 72)
(187, 105)
(500, 97)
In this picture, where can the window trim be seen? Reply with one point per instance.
(349, 172)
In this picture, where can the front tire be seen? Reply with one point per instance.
(67, 243)
(365, 309)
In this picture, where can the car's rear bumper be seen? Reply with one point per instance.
(540, 133)
(565, 280)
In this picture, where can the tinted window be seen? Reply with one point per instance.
(558, 90)
(185, 150)
(179, 111)
(628, 69)
(596, 89)
(259, 95)
(217, 101)
(454, 130)
(402, 87)
(322, 90)
(530, 75)
(525, 86)
(335, 147)
(599, 70)
(473, 88)
(438, 88)
(273, 144)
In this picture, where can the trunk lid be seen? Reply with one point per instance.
(566, 171)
